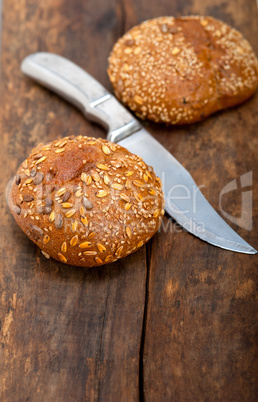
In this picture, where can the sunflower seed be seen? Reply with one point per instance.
(38, 156)
(47, 210)
(66, 196)
(48, 201)
(28, 198)
(17, 179)
(17, 209)
(36, 230)
(59, 221)
(38, 178)
(33, 172)
(88, 205)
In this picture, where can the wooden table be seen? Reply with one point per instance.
(174, 321)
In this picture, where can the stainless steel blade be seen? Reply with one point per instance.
(184, 201)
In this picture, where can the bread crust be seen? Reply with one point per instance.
(181, 70)
(86, 201)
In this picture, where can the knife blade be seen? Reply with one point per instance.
(184, 202)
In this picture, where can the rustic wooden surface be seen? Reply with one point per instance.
(174, 321)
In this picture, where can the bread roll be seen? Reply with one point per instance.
(180, 70)
(86, 201)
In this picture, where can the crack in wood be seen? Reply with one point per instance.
(122, 17)
(100, 360)
(144, 321)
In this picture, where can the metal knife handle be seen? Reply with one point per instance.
(81, 89)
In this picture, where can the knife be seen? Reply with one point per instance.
(184, 202)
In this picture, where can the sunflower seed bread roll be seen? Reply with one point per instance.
(181, 70)
(86, 201)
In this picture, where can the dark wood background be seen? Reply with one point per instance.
(174, 321)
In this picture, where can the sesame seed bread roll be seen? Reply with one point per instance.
(181, 70)
(86, 201)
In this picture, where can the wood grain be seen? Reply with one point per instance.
(173, 322)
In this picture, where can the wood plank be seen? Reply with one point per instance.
(74, 334)
(200, 318)
(66, 333)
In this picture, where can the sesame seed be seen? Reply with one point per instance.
(175, 51)
(127, 206)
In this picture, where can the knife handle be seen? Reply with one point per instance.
(78, 87)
